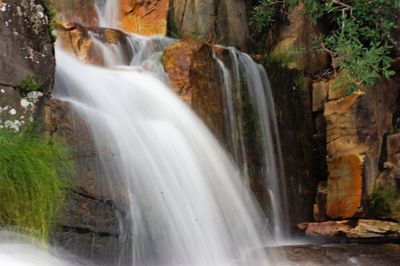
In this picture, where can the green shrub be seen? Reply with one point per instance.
(383, 203)
(28, 84)
(32, 186)
(359, 38)
(263, 15)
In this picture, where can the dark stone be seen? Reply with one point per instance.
(26, 46)
(343, 255)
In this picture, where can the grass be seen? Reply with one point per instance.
(32, 187)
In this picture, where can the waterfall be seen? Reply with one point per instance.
(245, 74)
(20, 250)
(188, 205)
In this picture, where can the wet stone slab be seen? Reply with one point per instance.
(343, 255)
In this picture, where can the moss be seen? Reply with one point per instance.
(51, 14)
(383, 203)
(28, 84)
(32, 186)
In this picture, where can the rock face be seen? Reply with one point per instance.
(356, 126)
(144, 17)
(90, 221)
(223, 22)
(194, 77)
(26, 61)
(82, 12)
(293, 41)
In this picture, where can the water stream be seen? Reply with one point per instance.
(188, 204)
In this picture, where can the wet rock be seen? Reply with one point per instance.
(144, 17)
(78, 40)
(342, 255)
(91, 217)
(194, 77)
(356, 229)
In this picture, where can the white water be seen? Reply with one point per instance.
(108, 13)
(19, 250)
(188, 203)
(259, 89)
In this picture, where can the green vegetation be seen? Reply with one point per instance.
(51, 14)
(32, 186)
(383, 203)
(359, 38)
(28, 84)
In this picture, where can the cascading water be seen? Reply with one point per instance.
(20, 250)
(246, 74)
(188, 204)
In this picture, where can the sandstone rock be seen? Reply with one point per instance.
(359, 229)
(194, 77)
(356, 125)
(78, 11)
(144, 17)
(78, 40)
(344, 192)
(292, 47)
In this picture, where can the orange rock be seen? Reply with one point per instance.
(344, 186)
(76, 39)
(327, 229)
(145, 17)
(194, 77)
